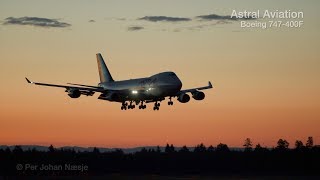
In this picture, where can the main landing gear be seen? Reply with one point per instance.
(124, 106)
(131, 106)
(142, 106)
(170, 102)
(156, 106)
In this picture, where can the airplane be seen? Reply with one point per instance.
(134, 91)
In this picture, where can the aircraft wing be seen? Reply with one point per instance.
(88, 89)
(196, 89)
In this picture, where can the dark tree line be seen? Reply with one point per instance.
(280, 160)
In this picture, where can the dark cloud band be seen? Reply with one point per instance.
(35, 21)
(135, 28)
(164, 19)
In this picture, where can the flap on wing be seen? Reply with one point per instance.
(85, 85)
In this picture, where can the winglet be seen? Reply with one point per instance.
(210, 85)
(28, 80)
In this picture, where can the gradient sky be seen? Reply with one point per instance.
(266, 81)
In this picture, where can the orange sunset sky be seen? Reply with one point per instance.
(266, 81)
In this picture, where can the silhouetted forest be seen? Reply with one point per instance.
(218, 160)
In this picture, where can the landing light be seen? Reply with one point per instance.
(134, 92)
(149, 89)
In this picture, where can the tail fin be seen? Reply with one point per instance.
(104, 73)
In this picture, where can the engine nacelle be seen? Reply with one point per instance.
(114, 97)
(110, 97)
(74, 93)
(198, 95)
(183, 98)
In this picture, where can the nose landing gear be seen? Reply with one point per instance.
(170, 102)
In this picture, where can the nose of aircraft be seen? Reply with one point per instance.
(179, 83)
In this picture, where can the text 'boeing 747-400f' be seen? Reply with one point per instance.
(139, 91)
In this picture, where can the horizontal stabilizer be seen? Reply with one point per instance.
(28, 80)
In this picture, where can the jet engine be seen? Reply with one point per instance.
(183, 98)
(112, 96)
(198, 95)
(74, 93)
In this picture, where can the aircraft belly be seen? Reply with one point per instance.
(146, 88)
(164, 90)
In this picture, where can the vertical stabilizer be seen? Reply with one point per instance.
(104, 73)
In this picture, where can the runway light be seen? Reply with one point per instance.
(134, 92)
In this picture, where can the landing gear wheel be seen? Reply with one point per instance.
(124, 106)
(156, 106)
(142, 106)
(131, 106)
(170, 101)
